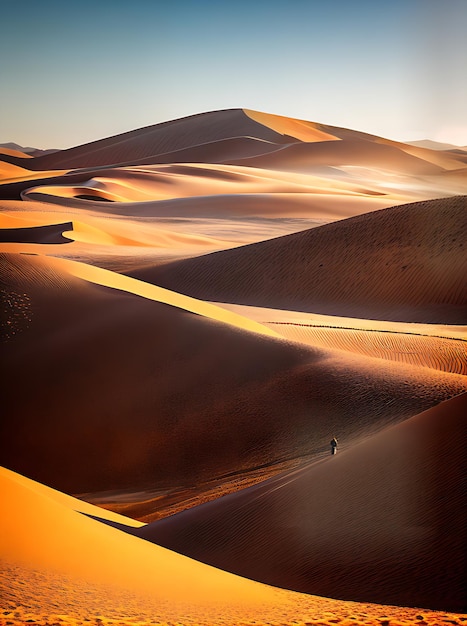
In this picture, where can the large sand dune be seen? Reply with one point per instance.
(383, 521)
(193, 307)
(251, 399)
(406, 263)
(60, 566)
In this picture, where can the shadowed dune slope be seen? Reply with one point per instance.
(405, 263)
(123, 391)
(51, 234)
(383, 521)
(159, 139)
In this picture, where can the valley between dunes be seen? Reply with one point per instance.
(190, 312)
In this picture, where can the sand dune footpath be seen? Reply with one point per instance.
(383, 521)
(416, 253)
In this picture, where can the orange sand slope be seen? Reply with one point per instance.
(170, 390)
(437, 346)
(59, 565)
(407, 263)
(383, 521)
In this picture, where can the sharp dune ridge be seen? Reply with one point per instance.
(189, 312)
(159, 139)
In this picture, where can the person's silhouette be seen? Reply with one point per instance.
(333, 445)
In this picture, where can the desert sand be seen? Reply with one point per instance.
(190, 311)
(61, 566)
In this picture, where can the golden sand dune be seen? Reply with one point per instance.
(7, 152)
(447, 355)
(188, 180)
(166, 396)
(299, 156)
(312, 131)
(8, 171)
(299, 129)
(60, 566)
(437, 346)
(382, 521)
(407, 263)
(280, 207)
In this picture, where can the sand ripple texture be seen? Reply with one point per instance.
(44, 599)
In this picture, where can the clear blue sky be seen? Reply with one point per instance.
(73, 72)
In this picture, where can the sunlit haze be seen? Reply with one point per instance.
(76, 72)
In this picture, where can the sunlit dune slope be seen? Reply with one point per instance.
(8, 170)
(406, 263)
(59, 566)
(45, 534)
(382, 521)
(315, 132)
(437, 346)
(6, 152)
(47, 493)
(447, 354)
(162, 182)
(300, 156)
(125, 391)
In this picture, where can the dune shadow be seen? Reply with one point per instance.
(131, 530)
(50, 234)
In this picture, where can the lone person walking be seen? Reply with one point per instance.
(333, 445)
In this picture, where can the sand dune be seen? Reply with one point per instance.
(141, 368)
(159, 139)
(188, 180)
(297, 157)
(110, 369)
(416, 253)
(50, 234)
(63, 567)
(382, 521)
(437, 346)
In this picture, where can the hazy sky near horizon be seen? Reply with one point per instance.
(80, 71)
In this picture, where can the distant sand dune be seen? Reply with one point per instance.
(190, 180)
(407, 263)
(159, 139)
(299, 156)
(383, 521)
